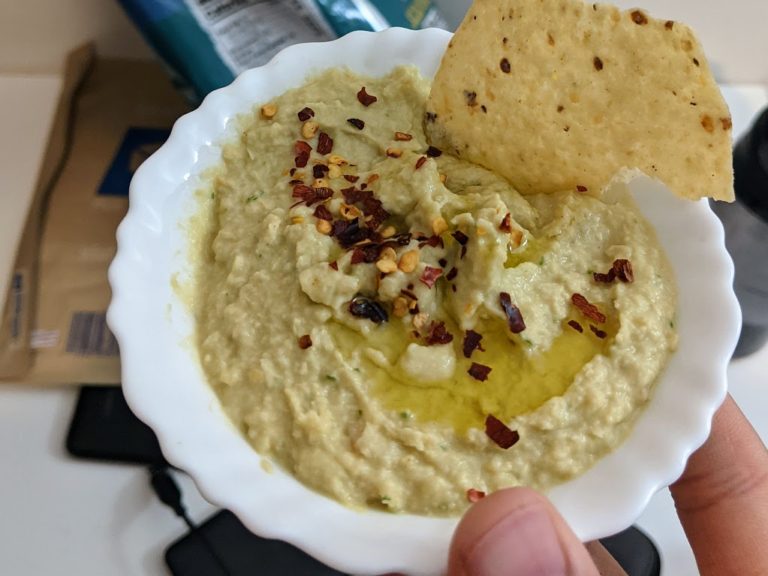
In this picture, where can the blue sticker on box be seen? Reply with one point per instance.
(138, 144)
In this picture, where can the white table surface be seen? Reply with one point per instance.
(59, 515)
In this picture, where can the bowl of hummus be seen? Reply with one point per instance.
(347, 334)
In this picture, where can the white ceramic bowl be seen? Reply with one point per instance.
(165, 386)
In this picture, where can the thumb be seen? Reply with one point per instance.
(517, 532)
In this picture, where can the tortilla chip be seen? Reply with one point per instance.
(559, 94)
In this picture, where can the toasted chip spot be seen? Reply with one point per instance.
(505, 66)
(500, 433)
(268, 111)
(581, 188)
(696, 61)
(669, 24)
(598, 63)
(707, 123)
(305, 341)
(639, 17)
(727, 123)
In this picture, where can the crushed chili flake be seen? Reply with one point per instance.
(575, 325)
(292, 171)
(420, 162)
(301, 150)
(479, 371)
(306, 193)
(443, 262)
(334, 265)
(305, 114)
(451, 274)
(430, 116)
(323, 213)
(403, 136)
(433, 152)
(433, 241)
(599, 333)
(463, 252)
(430, 275)
(437, 333)
(349, 232)
(408, 294)
(364, 98)
(606, 278)
(305, 341)
(453, 287)
(512, 312)
(319, 170)
(589, 310)
(363, 307)
(351, 178)
(471, 343)
(460, 237)
(368, 254)
(356, 122)
(500, 433)
(324, 143)
(622, 268)
(475, 495)
(506, 223)
(295, 181)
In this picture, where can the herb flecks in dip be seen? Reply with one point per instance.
(397, 327)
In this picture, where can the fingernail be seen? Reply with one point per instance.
(524, 543)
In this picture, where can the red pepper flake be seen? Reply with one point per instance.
(403, 137)
(295, 181)
(463, 252)
(306, 193)
(364, 98)
(451, 274)
(506, 223)
(363, 307)
(434, 241)
(576, 326)
(420, 162)
(512, 312)
(460, 237)
(351, 178)
(322, 213)
(409, 294)
(356, 122)
(581, 188)
(443, 262)
(334, 265)
(606, 278)
(623, 270)
(471, 343)
(438, 334)
(497, 431)
(301, 150)
(292, 171)
(453, 287)
(638, 17)
(306, 113)
(324, 143)
(368, 254)
(320, 170)
(305, 341)
(433, 152)
(504, 65)
(475, 495)
(430, 276)
(479, 371)
(599, 333)
(589, 310)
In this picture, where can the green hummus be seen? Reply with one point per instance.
(395, 327)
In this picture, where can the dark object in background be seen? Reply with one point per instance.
(104, 428)
(635, 552)
(746, 234)
(241, 552)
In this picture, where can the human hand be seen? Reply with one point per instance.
(722, 501)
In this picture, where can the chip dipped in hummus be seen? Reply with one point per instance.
(402, 329)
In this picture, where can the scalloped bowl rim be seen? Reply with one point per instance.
(165, 387)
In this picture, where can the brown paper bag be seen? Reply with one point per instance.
(112, 115)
